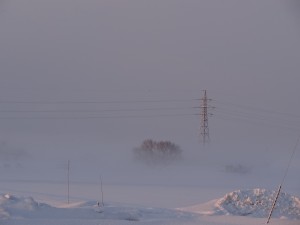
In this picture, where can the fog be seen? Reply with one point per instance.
(89, 81)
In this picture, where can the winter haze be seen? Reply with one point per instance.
(88, 81)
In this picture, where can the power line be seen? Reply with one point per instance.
(255, 115)
(250, 116)
(257, 109)
(95, 102)
(98, 117)
(94, 111)
(261, 123)
(233, 111)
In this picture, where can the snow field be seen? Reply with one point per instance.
(238, 207)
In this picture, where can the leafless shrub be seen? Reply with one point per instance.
(161, 152)
(238, 168)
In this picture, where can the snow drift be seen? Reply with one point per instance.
(19, 206)
(254, 203)
(12, 207)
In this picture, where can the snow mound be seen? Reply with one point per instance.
(10, 204)
(255, 203)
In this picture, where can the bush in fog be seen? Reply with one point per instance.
(161, 152)
(241, 169)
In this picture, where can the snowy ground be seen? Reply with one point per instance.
(238, 207)
(211, 193)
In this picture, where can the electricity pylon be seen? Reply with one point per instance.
(204, 118)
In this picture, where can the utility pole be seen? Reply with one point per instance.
(101, 189)
(204, 119)
(68, 181)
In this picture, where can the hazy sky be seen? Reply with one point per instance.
(140, 66)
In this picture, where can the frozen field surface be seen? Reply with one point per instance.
(238, 207)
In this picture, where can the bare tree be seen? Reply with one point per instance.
(161, 152)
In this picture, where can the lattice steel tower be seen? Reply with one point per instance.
(204, 119)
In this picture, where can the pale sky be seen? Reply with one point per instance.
(139, 68)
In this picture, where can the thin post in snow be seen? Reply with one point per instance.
(283, 179)
(274, 204)
(68, 181)
(101, 189)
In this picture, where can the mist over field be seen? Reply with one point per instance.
(88, 81)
